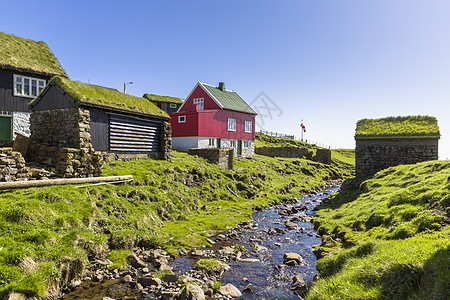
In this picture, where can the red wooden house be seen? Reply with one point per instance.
(214, 117)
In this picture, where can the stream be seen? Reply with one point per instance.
(263, 266)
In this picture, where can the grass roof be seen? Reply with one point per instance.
(93, 94)
(417, 126)
(159, 98)
(24, 54)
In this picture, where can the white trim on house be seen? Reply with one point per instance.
(185, 143)
(30, 90)
(209, 94)
(231, 124)
(248, 127)
(173, 105)
(181, 119)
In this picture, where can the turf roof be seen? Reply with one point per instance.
(410, 126)
(24, 54)
(97, 95)
(158, 98)
(228, 99)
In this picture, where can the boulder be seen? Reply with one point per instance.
(135, 261)
(171, 277)
(275, 230)
(290, 225)
(299, 286)
(127, 278)
(292, 259)
(191, 292)
(230, 291)
(149, 281)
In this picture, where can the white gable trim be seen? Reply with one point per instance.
(201, 85)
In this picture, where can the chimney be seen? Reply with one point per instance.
(222, 86)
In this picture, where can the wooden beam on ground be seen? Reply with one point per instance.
(61, 181)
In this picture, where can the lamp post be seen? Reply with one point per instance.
(125, 86)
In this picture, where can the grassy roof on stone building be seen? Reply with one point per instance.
(97, 95)
(409, 126)
(26, 55)
(159, 98)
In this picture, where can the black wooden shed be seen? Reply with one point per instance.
(73, 114)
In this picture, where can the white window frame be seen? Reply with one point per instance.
(247, 144)
(181, 119)
(248, 126)
(212, 142)
(199, 101)
(231, 124)
(19, 86)
(233, 144)
(172, 105)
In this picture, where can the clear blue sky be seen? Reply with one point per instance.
(329, 63)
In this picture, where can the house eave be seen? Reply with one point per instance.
(124, 111)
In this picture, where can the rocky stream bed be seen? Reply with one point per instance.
(268, 258)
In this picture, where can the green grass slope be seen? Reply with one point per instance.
(46, 233)
(387, 237)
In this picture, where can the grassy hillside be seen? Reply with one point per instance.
(47, 233)
(387, 237)
(344, 159)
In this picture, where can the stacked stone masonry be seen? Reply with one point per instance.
(224, 157)
(322, 155)
(378, 154)
(61, 138)
(12, 166)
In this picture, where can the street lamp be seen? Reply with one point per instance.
(125, 86)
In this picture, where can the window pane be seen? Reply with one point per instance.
(26, 86)
(41, 83)
(33, 88)
(18, 79)
(18, 89)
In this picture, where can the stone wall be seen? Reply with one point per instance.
(61, 138)
(12, 166)
(79, 163)
(224, 157)
(61, 128)
(287, 152)
(377, 154)
(166, 141)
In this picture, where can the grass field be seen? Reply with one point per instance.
(387, 237)
(48, 235)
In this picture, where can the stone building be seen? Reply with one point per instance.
(387, 142)
(70, 115)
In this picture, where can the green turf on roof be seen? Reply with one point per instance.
(158, 98)
(24, 54)
(86, 93)
(398, 127)
(228, 99)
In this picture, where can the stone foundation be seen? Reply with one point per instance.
(224, 157)
(12, 166)
(377, 154)
(166, 141)
(322, 155)
(74, 163)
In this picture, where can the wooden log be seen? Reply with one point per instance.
(61, 181)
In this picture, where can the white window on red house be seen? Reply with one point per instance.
(233, 144)
(247, 144)
(200, 102)
(181, 119)
(248, 126)
(231, 124)
(27, 86)
(212, 142)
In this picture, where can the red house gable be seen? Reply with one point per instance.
(198, 92)
(206, 113)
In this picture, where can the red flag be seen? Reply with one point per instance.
(303, 127)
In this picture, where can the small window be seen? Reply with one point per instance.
(173, 105)
(200, 102)
(231, 124)
(181, 119)
(212, 142)
(247, 144)
(27, 86)
(248, 126)
(233, 144)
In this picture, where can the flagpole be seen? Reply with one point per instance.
(301, 129)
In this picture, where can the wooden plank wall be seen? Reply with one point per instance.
(130, 134)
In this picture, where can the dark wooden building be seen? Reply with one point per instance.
(26, 66)
(166, 103)
(73, 114)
